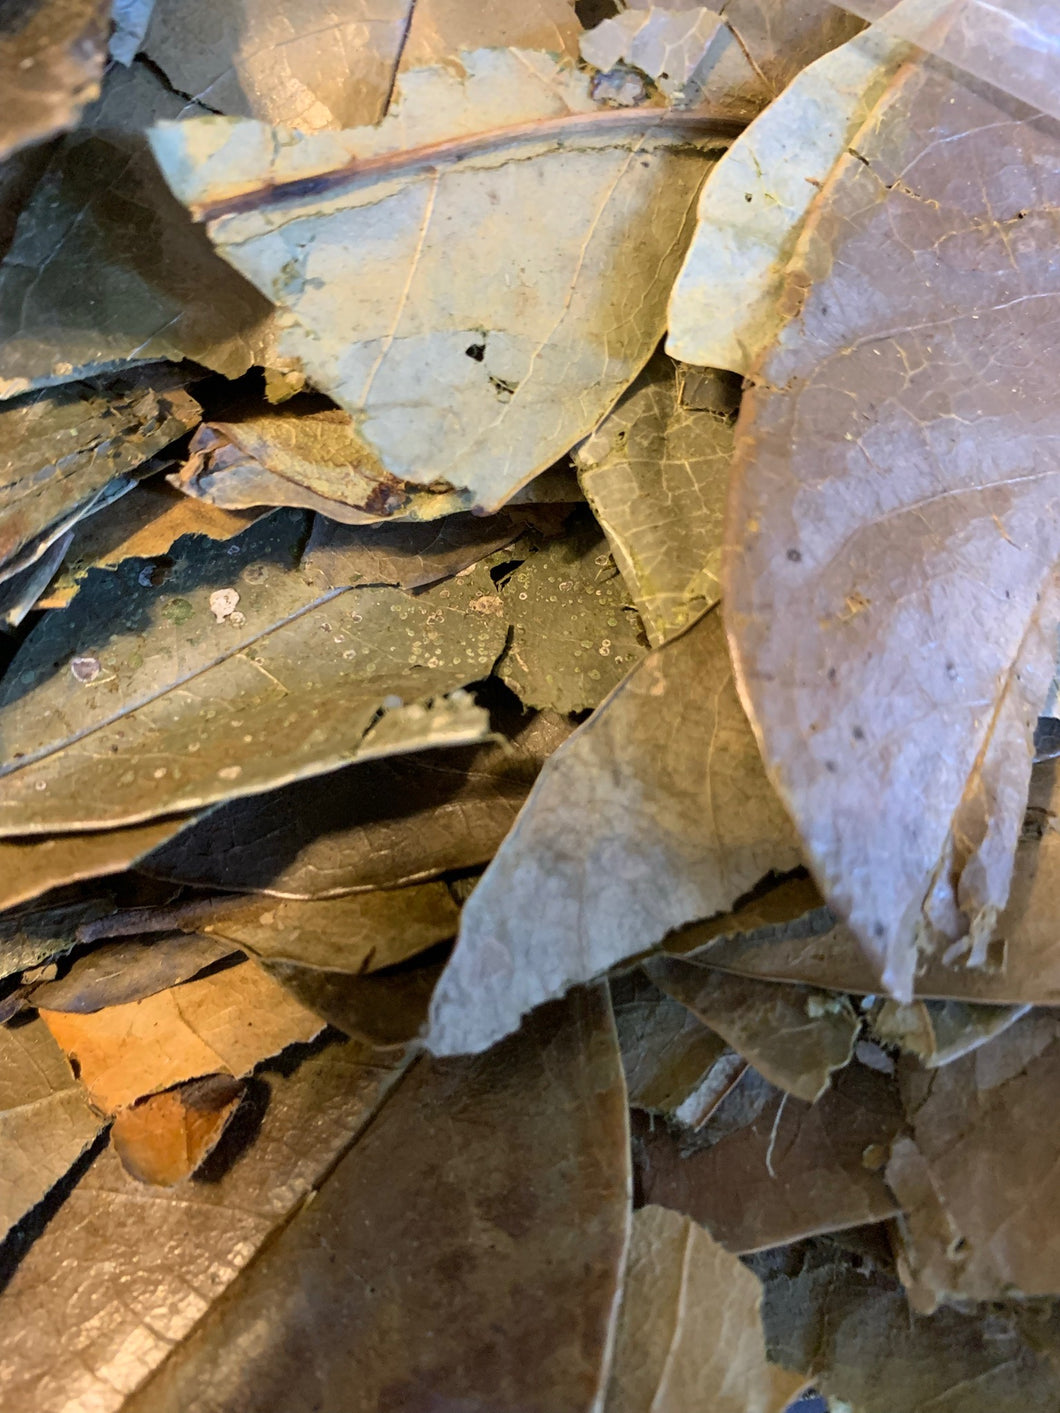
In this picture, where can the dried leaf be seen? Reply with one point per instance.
(105, 267)
(656, 476)
(512, 1170)
(669, 46)
(387, 1009)
(327, 64)
(123, 1272)
(689, 1334)
(305, 671)
(374, 825)
(410, 556)
(225, 1023)
(20, 593)
(45, 1122)
(938, 1032)
(359, 933)
(51, 60)
(144, 524)
(666, 1052)
(473, 383)
(29, 868)
(65, 447)
(793, 1036)
(656, 811)
(131, 18)
(166, 1137)
(985, 1148)
(128, 971)
(794, 1170)
(573, 638)
(31, 936)
(852, 575)
(440, 29)
(776, 40)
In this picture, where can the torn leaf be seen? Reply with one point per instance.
(689, 1333)
(940, 1031)
(225, 1023)
(513, 1170)
(670, 46)
(573, 636)
(51, 62)
(794, 1169)
(657, 475)
(120, 972)
(888, 530)
(166, 1137)
(458, 372)
(655, 812)
(796, 1038)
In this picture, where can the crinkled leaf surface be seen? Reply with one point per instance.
(51, 61)
(515, 1169)
(123, 1272)
(793, 1170)
(303, 670)
(390, 296)
(689, 1333)
(227, 1023)
(656, 474)
(655, 812)
(105, 267)
(373, 825)
(891, 595)
(793, 1036)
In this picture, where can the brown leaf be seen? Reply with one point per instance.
(656, 475)
(128, 971)
(228, 1023)
(796, 1038)
(940, 1031)
(165, 1138)
(30, 936)
(794, 1170)
(689, 1334)
(411, 556)
(45, 1121)
(889, 532)
(511, 1171)
(473, 384)
(374, 825)
(387, 1009)
(51, 61)
(123, 1272)
(656, 811)
(440, 29)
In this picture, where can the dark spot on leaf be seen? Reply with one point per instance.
(858, 733)
(477, 351)
(794, 555)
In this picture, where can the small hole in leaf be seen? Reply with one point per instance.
(477, 351)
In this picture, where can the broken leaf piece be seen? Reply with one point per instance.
(796, 1038)
(131, 18)
(793, 1170)
(940, 1031)
(45, 1121)
(135, 1267)
(374, 825)
(361, 932)
(656, 811)
(689, 1334)
(21, 593)
(440, 29)
(657, 475)
(908, 544)
(668, 45)
(165, 1137)
(62, 448)
(306, 671)
(119, 972)
(407, 314)
(573, 637)
(512, 1170)
(228, 1022)
(105, 268)
(51, 61)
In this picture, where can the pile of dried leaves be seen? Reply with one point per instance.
(529, 827)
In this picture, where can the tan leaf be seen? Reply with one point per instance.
(795, 1169)
(670, 46)
(512, 1171)
(440, 29)
(940, 1031)
(891, 596)
(793, 1036)
(657, 475)
(45, 1121)
(689, 1334)
(503, 374)
(122, 1272)
(225, 1023)
(29, 868)
(166, 1137)
(387, 1009)
(656, 811)
(51, 61)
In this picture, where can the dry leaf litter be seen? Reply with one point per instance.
(529, 608)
